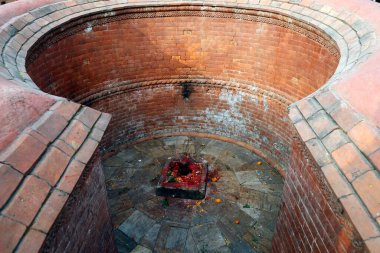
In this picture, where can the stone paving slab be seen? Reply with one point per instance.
(124, 243)
(207, 237)
(176, 239)
(149, 240)
(190, 246)
(141, 249)
(246, 191)
(137, 225)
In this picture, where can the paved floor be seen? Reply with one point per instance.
(247, 193)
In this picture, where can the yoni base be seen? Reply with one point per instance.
(191, 186)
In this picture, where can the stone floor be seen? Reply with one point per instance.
(249, 190)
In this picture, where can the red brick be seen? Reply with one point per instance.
(345, 117)
(373, 245)
(359, 217)
(335, 140)
(50, 125)
(350, 161)
(88, 116)
(52, 166)
(322, 124)
(28, 200)
(327, 99)
(32, 241)
(64, 147)
(86, 151)
(38, 136)
(294, 114)
(11, 232)
(337, 181)
(23, 153)
(75, 134)
(308, 107)
(97, 134)
(368, 188)
(50, 211)
(365, 137)
(71, 176)
(103, 121)
(318, 151)
(65, 109)
(9, 180)
(375, 159)
(304, 130)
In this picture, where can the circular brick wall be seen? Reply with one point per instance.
(242, 70)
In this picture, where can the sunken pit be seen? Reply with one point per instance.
(187, 127)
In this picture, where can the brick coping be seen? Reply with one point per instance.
(332, 121)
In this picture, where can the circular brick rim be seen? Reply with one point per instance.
(356, 40)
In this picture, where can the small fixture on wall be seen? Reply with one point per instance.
(186, 91)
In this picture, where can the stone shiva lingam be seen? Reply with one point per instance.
(183, 178)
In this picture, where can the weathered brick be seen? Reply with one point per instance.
(359, 217)
(304, 130)
(294, 114)
(50, 125)
(350, 161)
(65, 109)
(327, 99)
(52, 166)
(28, 200)
(71, 176)
(322, 124)
(11, 233)
(337, 181)
(97, 134)
(32, 241)
(368, 186)
(63, 146)
(103, 121)
(38, 136)
(86, 151)
(88, 116)
(50, 211)
(375, 159)
(318, 151)
(308, 107)
(9, 180)
(365, 137)
(23, 153)
(75, 134)
(345, 117)
(373, 244)
(335, 139)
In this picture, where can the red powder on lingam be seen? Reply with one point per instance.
(173, 176)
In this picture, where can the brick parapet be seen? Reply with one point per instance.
(343, 143)
(40, 169)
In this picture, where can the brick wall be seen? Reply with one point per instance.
(136, 49)
(311, 219)
(242, 73)
(255, 119)
(85, 217)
